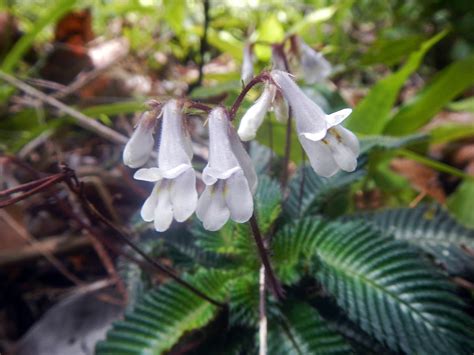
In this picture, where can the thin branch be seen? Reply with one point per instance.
(272, 280)
(34, 243)
(81, 119)
(50, 182)
(76, 188)
(262, 326)
(258, 79)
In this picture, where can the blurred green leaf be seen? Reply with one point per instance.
(460, 203)
(371, 115)
(463, 105)
(225, 42)
(448, 132)
(449, 83)
(270, 30)
(115, 108)
(175, 11)
(390, 52)
(309, 20)
(26, 41)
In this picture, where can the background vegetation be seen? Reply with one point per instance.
(380, 260)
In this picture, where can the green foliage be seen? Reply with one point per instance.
(21, 47)
(449, 83)
(433, 230)
(372, 113)
(390, 293)
(164, 315)
(311, 194)
(380, 282)
(301, 330)
(391, 51)
(460, 203)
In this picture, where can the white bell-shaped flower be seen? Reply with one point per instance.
(247, 64)
(253, 118)
(339, 149)
(174, 194)
(329, 146)
(229, 176)
(313, 64)
(138, 149)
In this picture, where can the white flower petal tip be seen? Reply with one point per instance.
(338, 117)
(151, 174)
(138, 149)
(229, 176)
(174, 195)
(253, 118)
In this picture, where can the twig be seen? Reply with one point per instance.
(272, 280)
(50, 245)
(54, 179)
(262, 326)
(86, 77)
(238, 101)
(30, 239)
(81, 119)
(76, 188)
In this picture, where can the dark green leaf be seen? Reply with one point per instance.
(162, 317)
(303, 331)
(372, 113)
(447, 85)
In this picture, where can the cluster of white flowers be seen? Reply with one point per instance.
(229, 176)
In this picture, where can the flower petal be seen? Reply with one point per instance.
(336, 118)
(244, 160)
(342, 154)
(238, 198)
(174, 144)
(148, 210)
(253, 118)
(247, 64)
(320, 157)
(183, 195)
(164, 209)
(310, 118)
(148, 174)
(176, 171)
(221, 157)
(138, 149)
(315, 67)
(280, 108)
(210, 175)
(348, 138)
(211, 208)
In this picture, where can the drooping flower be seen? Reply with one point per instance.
(254, 116)
(247, 64)
(138, 149)
(229, 176)
(174, 194)
(329, 146)
(313, 64)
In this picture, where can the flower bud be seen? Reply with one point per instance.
(140, 145)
